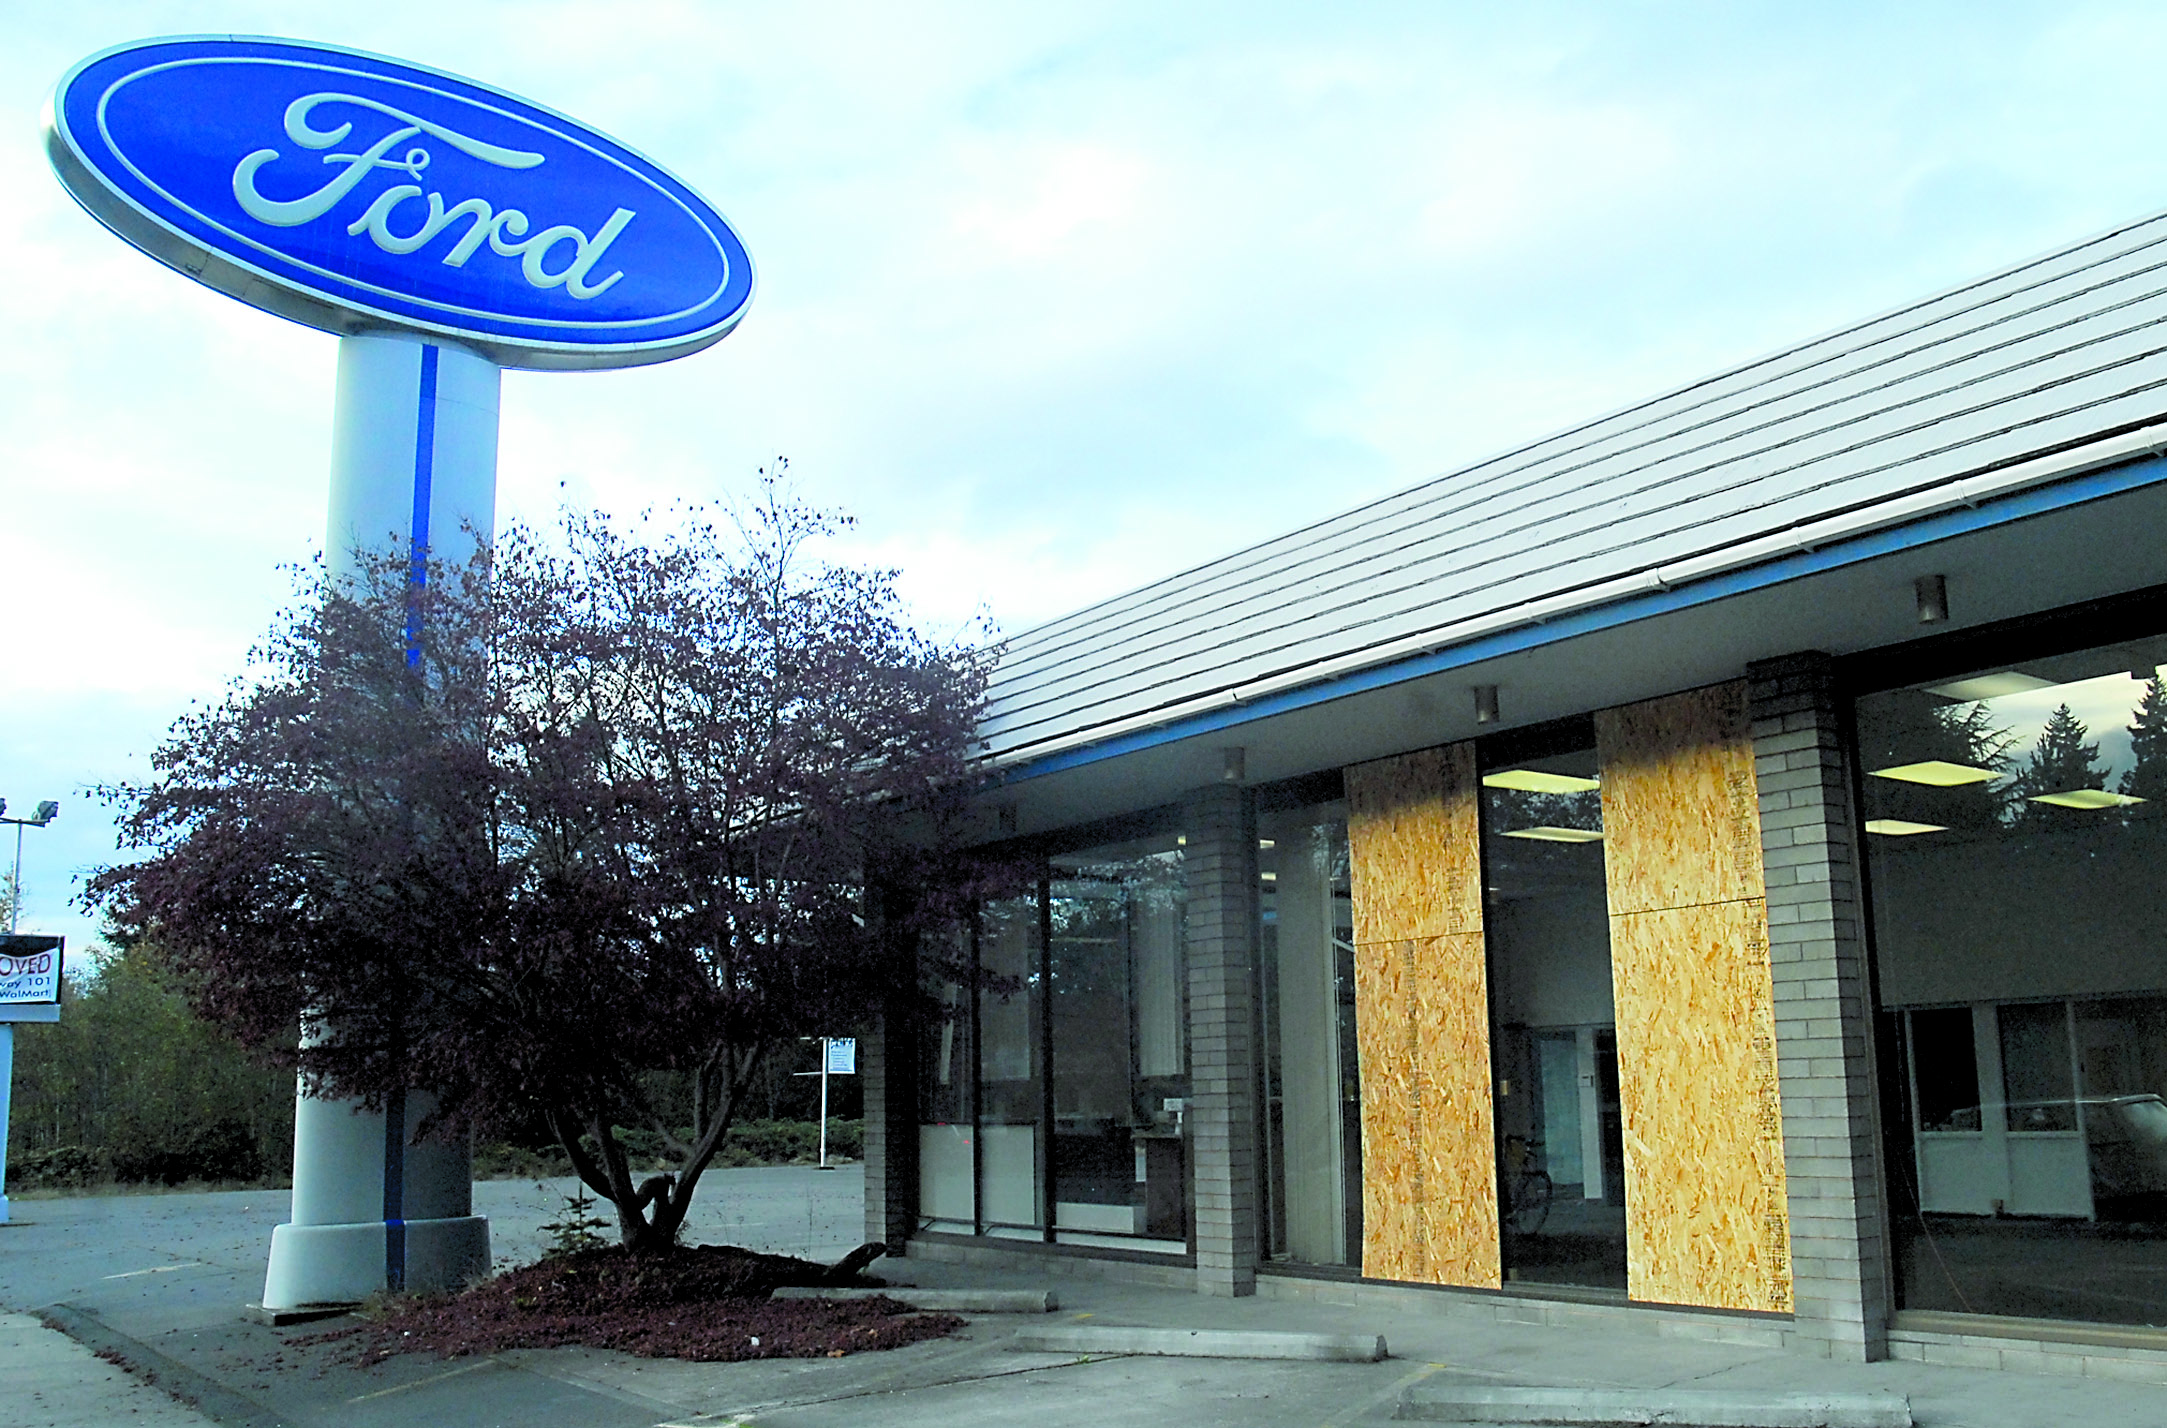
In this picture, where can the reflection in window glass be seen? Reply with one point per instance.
(1120, 1049)
(1944, 1070)
(2038, 1080)
(2016, 823)
(1313, 1106)
(947, 1159)
(1010, 1092)
(1554, 1042)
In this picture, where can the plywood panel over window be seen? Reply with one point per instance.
(1681, 815)
(1429, 1177)
(1706, 1211)
(1414, 845)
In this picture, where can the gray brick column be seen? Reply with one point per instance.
(887, 1070)
(1824, 1011)
(886, 1063)
(1220, 863)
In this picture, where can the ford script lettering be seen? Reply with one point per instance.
(483, 223)
(355, 193)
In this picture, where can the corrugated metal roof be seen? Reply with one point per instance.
(2042, 357)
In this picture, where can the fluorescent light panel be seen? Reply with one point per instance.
(1938, 773)
(2087, 798)
(1548, 834)
(1989, 686)
(1902, 828)
(1537, 781)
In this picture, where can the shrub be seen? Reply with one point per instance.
(63, 1167)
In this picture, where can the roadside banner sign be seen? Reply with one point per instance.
(842, 1055)
(29, 970)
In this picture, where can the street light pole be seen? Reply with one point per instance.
(46, 813)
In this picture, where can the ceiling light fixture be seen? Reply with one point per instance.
(1938, 773)
(1932, 594)
(1902, 827)
(1548, 834)
(1989, 686)
(1537, 781)
(2086, 798)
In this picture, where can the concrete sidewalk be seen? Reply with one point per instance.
(47, 1380)
(193, 1268)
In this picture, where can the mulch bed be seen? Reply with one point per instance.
(707, 1303)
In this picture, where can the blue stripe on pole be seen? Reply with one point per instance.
(424, 472)
(395, 1191)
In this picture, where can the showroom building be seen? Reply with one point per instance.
(1699, 870)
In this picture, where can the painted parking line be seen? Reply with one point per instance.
(424, 1382)
(159, 1269)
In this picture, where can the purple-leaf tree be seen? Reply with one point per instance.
(582, 834)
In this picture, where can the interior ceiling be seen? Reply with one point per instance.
(2101, 548)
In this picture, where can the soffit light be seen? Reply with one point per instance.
(1902, 827)
(1938, 773)
(1536, 781)
(1548, 834)
(1989, 686)
(2086, 798)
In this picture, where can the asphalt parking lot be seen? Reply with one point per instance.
(163, 1280)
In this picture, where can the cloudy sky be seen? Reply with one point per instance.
(1055, 299)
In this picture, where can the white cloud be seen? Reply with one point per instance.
(1057, 301)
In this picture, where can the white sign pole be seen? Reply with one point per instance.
(29, 991)
(413, 461)
(823, 1103)
(7, 1081)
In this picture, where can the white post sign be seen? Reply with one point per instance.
(444, 229)
(29, 991)
(29, 973)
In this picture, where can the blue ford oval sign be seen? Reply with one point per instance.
(355, 193)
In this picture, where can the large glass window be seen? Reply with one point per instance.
(1120, 1043)
(1554, 1032)
(1011, 1085)
(1052, 1104)
(947, 1119)
(1312, 1081)
(2016, 832)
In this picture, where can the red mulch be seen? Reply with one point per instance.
(707, 1303)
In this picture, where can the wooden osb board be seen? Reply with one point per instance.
(1395, 1243)
(1681, 813)
(1707, 1215)
(1422, 1020)
(1707, 1218)
(1429, 1177)
(1414, 845)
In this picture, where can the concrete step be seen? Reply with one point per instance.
(1202, 1343)
(1640, 1408)
(953, 1301)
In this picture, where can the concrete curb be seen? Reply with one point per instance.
(1203, 1344)
(306, 1314)
(212, 1399)
(1636, 1408)
(953, 1301)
